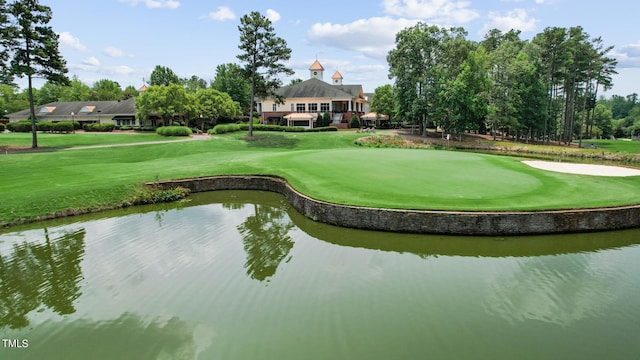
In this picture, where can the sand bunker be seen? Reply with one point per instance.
(583, 169)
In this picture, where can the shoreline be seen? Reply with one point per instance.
(481, 223)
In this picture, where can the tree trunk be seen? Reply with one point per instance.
(32, 111)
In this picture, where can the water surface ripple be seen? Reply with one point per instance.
(241, 275)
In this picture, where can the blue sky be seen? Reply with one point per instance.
(123, 40)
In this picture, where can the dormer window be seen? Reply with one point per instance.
(87, 109)
(47, 109)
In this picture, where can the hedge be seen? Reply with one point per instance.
(95, 127)
(45, 126)
(174, 131)
(226, 128)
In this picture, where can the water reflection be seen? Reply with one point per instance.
(136, 338)
(266, 239)
(158, 280)
(39, 274)
(557, 289)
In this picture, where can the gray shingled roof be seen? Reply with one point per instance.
(316, 88)
(122, 107)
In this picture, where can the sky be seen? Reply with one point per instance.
(124, 40)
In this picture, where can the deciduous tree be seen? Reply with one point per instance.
(230, 79)
(105, 90)
(383, 101)
(163, 76)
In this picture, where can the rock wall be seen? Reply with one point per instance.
(425, 221)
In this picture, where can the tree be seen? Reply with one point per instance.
(262, 53)
(33, 47)
(193, 84)
(213, 104)
(129, 92)
(230, 79)
(383, 101)
(106, 89)
(5, 41)
(163, 76)
(76, 91)
(166, 102)
(48, 93)
(11, 100)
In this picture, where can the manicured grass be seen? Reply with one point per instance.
(326, 166)
(616, 145)
(79, 139)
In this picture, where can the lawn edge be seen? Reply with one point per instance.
(484, 223)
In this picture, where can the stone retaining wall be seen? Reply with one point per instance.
(425, 221)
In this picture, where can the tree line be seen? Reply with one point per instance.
(540, 89)
(30, 48)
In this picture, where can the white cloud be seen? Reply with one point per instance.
(119, 70)
(69, 41)
(223, 13)
(438, 11)
(92, 61)
(113, 52)
(628, 56)
(518, 19)
(273, 15)
(373, 37)
(155, 4)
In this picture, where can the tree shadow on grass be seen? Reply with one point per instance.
(271, 141)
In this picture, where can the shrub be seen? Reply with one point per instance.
(355, 121)
(2, 127)
(63, 126)
(174, 131)
(20, 126)
(95, 127)
(224, 128)
(154, 195)
(44, 126)
(324, 120)
(323, 129)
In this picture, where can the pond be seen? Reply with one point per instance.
(241, 275)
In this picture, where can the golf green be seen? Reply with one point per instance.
(443, 180)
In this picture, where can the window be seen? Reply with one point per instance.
(324, 107)
(47, 109)
(274, 107)
(87, 109)
(301, 108)
(292, 108)
(313, 108)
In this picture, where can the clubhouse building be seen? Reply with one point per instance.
(306, 100)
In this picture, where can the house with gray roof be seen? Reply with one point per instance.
(120, 112)
(313, 97)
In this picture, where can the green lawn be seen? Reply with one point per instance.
(78, 139)
(323, 165)
(623, 146)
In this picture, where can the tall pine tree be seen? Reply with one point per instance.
(32, 49)
(262, 54)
